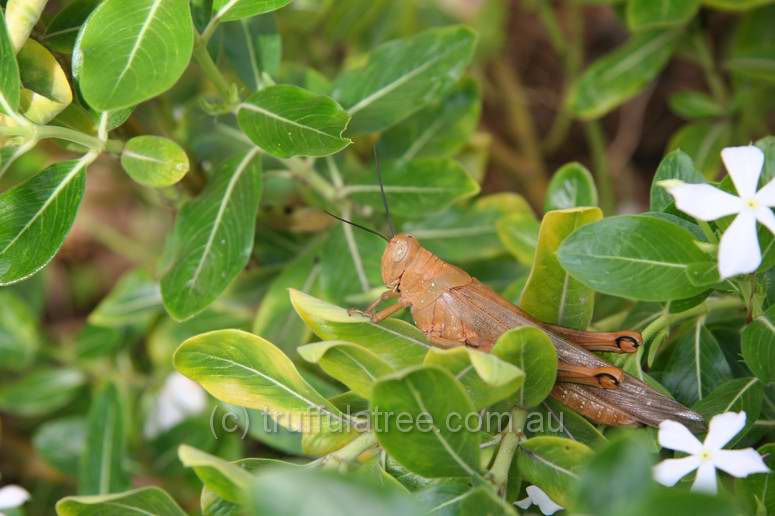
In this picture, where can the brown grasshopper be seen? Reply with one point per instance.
(454, 309)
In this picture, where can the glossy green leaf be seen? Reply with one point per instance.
(288, 121)
(230, 10)
(621, 74)
(438, 131)
(553, 464)
(634, 256)
(224, 478)
(648, 14)
(10, 83)
(486, 378)
(157, 38)
(40, 392)
(213, 237)
(403, 76)
(254, 47)
(396, 342)
(696, 366)
(736, 5)
(676, 165)
(350, 264)
(572, 186)
(245, 370)
(19, 337)
(154, 161)
(519, 234)
(102, 465)
(355, 366)
(740, 394)
(483, 500)
(703, 142)
(415, 188)
(61, 33)
(531, 351)
(759, 489)
(551, 294)
(468, 232)
(553, 418)
(684, 503)
(419, 417)
(758, 346)
(61, 443)
(36, 216)
(135, 299)
(146, 500)
(695, 104)
(45, 89)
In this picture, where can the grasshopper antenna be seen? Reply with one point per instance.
(384, 197)
(373, 232)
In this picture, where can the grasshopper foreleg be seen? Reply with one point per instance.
(375, 316)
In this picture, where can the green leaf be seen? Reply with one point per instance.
(553, 464)
(157, 39)
(135, 299)
(633, 256)
(40, 392)
(696, 366)
(36, 217)
(740, 394)
(419, 417)
(154, 161)
(758, 346)
(245, 370)
(397, 342)
(621, 74)
(230, 10)
(676, 165)
(213, 237)
(22, 16)
(553, 418)
(45, 89)
(356, 367)
(648, 14)
(519, 234)
(62, 32)
(19, 337)
(684, 503)
(254, 47)
(415, 188)
(468, 232)
(10, 83)
(146, 500)
(288, 121)
(703, 142)
(483, 500)
(225, 479)
(486, 378)
(530, 350)
(438, 131)
(551, 294)
(403, 76)
(102, 464)
(61, 443)
(572, 186)
(736, 5)
(751, 50)
(759, 488)
(695, 104)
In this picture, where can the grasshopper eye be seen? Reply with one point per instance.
(400, 250)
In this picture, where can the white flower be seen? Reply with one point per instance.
(536, 496)
(12, 497)
(739, 251)
(178, 399)
(706, 457)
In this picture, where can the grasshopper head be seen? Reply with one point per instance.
(399, 253)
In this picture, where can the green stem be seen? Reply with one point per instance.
(202, 56)
(712, 77)
(42, 132)
(597, 148)
(350, 452)
(711, 305)
(499, 472)
(305, 171)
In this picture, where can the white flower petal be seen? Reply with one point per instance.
(706, 478)
(542, 500)
(766, 195)
(739, 463)
(739, 251)
(675, 436)
(744, 165)
(524, 503)
(13, 496)
(703, 201)
(186, 394)
(670, 471)
(765, 216)
(178, 399)
(722, 428)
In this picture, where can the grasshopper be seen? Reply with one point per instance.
(454, 309)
